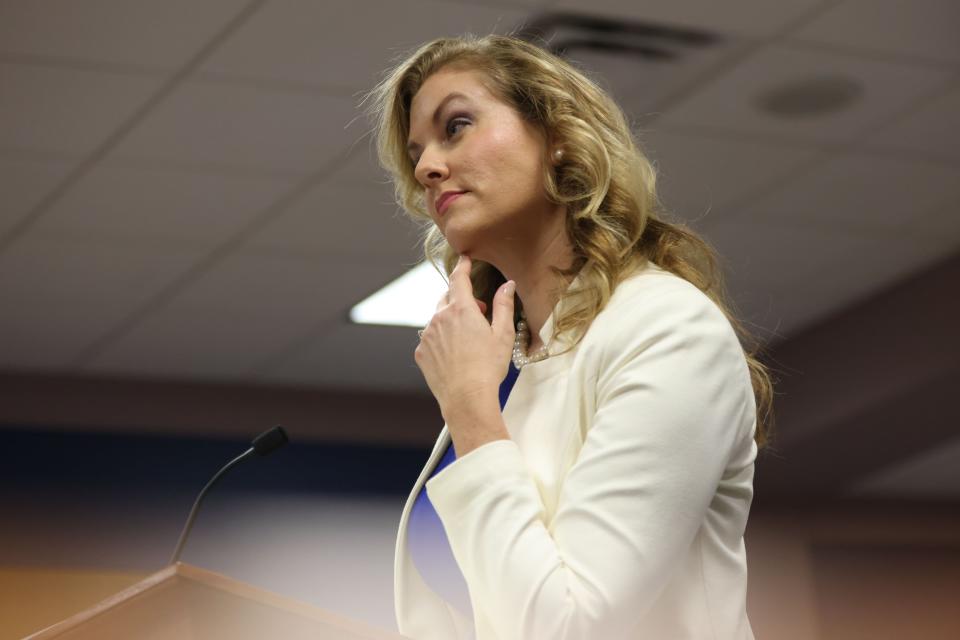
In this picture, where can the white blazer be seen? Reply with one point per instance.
(617, 507)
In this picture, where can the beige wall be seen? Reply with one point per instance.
(858, 572)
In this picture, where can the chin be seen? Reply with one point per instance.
(468, 240)
(458, 240)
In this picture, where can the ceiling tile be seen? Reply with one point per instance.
(836, 280)
(933, 474)
(222, 125)
(248, 281)
(762, 265)
(200, 344)
(932, 129)
(47, 332)
(860, 193)
(943, 222)
(243, 311)
(161, 35)
(776, 254)
(60, 292)
(339, 220)
(729, 101)
(345, 44)
(759, 309)
(25, 182)
(743, 17)
(921, 28)
(362, 169)
(164, 206)
(72, 267)
(870, 268)
(65, 110)
(354, 356)
(641, 86)
(700, 174)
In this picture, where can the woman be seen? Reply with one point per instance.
(599, 489)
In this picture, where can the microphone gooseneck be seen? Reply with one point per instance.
(263, 445)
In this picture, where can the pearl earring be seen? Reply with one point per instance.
(558, 156)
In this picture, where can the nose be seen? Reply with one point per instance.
(431, 169)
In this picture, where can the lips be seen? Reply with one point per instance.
(445, 199)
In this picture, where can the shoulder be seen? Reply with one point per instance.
(654, 313)
(662, 334)
(652, 298)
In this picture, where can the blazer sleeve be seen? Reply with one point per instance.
(673, 400)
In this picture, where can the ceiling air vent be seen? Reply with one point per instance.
(568, 34)
(640, 63)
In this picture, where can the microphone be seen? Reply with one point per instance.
(263, 445)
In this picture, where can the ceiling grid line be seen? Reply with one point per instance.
(64, 62)
(255, 82)
(269, 364)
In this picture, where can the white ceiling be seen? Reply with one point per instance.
(188, 191)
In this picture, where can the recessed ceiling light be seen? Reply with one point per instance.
(409, 301)
(810, 97)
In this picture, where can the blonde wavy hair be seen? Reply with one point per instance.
(615, 221)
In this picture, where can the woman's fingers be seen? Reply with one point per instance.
(503, 309)
(445, 300)
(461, 288)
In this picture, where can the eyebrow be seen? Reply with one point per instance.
(413, 146)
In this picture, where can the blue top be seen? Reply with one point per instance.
(427, 541)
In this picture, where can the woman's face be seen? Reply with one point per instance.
(480, 164)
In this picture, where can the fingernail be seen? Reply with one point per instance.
(511, 287)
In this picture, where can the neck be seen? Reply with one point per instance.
(538, 287)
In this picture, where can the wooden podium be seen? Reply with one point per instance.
(184, 602)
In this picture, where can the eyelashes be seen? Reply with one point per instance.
(453, 122)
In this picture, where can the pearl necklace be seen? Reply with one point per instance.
(520, 343)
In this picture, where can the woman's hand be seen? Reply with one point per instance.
(462, 356)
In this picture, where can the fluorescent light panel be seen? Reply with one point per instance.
(409, 301)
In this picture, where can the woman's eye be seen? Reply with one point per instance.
(452, 126)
